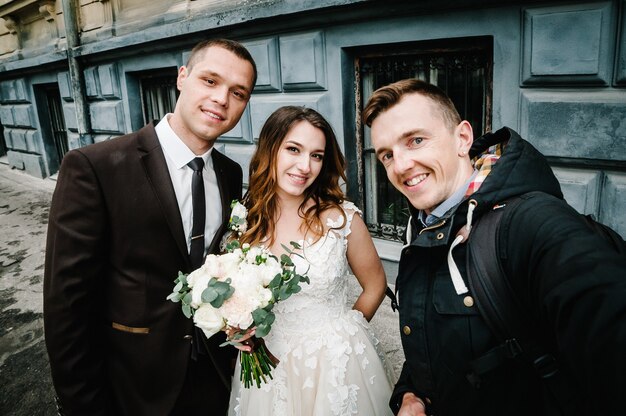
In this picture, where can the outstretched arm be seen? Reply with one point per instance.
(75, 258)
(577, 288)
(367, 268)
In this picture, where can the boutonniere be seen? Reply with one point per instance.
(237, 222)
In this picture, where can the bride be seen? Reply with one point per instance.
(329, 361)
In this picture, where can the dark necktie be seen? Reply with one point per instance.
(196, 253)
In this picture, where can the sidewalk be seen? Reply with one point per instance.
(25, 384)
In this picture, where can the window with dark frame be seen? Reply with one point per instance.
(462, 68)
(158, 95)
(57, 122)
(3, 145)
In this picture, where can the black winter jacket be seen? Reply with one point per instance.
(572, 282)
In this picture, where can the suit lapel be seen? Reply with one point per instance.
(155, 166)
(225, 198)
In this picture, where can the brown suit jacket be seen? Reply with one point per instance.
(115, 245)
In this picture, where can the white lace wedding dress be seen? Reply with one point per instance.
(329, 360)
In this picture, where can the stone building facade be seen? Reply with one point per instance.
(82, 71)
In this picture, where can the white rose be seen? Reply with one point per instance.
(253, 253)
(208, 319)
(270, 270)
(229, 263)
(239, 211)
(193, 277)
(238, 310)
(249, 276)
(213, 266)
(265, 295)
(198, 280)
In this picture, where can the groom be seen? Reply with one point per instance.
(120, 229)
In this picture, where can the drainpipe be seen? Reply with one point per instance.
(77, 78)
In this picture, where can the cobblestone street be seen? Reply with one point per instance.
(25, 384)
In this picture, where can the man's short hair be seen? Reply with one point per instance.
(230, 45)
(389, 95)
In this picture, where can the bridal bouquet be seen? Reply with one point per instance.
(235, 292)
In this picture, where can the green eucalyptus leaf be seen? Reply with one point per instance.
(187, 311)
(218, 301)
(259, 315)
(286, 260)
(223, 289)
(284, 293)
(275, 282)
(262, 330)
(187, 298)
(232, 245)
(295, 245)
(229, 292)
(209, 294)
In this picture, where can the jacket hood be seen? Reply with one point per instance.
(519, 169)
(508, 166)
(515, 168)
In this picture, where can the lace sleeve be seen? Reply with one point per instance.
(338, 223)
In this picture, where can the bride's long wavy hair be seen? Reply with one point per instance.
(261, 199)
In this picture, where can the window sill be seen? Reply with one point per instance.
(388, 250)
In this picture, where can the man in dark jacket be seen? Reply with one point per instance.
(571, 281)
(123, 223)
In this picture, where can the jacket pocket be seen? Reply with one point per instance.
(130, 329)
(447, 302)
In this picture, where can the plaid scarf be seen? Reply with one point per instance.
(483, 163)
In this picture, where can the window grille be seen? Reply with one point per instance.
(158, 96)
(57, 121)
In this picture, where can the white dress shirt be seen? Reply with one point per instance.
(177, 155)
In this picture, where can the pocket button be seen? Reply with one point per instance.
(468, 301)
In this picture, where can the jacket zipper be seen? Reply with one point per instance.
(432, 227)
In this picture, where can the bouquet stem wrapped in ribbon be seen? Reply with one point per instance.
(257, 364)
(235, 292)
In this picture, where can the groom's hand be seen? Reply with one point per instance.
(412, 406)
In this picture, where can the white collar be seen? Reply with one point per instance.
(174, 147)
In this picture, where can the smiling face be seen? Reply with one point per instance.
(213, 94)
(424, 157)
(299, 159)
